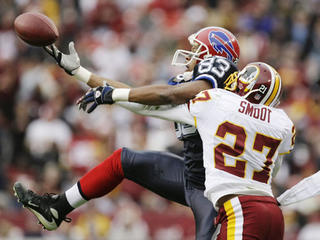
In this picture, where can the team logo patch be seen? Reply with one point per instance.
(222, 43)
(257, 96)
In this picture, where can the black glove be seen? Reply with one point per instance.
(69, 62)
(97, 96)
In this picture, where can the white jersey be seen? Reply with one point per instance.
(257, 115)
(241, 143)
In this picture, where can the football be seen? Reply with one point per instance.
(36, 29)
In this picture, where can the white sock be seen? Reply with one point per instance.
(74, 197)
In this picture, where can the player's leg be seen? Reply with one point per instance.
(165, 178)
(251, 217)
(203, 212)
(51, 210)
(262, 218)
(160, 172)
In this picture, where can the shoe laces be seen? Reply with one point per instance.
(49, 198)
(54, 197)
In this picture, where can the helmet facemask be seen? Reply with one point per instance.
(242, 82)
(185, 57)
(246, 81)
(231, 82)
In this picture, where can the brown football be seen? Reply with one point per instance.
(36, 29)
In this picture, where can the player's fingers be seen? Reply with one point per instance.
(79, 100)
(82, 106)
(72, 50)
(48, 49)
(55, 51)
(87, 100)
(88, 94)
(92, 108)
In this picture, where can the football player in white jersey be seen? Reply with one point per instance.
(244, 137)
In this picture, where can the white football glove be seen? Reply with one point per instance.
(69, 62)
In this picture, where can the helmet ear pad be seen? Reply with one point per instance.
(259, 83)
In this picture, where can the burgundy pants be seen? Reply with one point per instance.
(250, 217)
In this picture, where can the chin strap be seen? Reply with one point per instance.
(253, 91)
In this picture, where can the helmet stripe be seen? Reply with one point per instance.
(275, 91)
(276, 99)
(233, 41)
(233, 53)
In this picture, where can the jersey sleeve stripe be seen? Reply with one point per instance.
(209, 78)
(195, 122)
(285, 153)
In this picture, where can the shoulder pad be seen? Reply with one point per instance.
(215, 69)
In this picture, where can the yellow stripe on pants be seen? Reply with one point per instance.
(231, 228)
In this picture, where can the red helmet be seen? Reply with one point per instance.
(259, 83)
(208, 42)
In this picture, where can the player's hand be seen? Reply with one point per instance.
(96, 96)
(69, 62)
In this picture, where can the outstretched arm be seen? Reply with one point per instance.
(70, 63)
(306, 188)
(151, 95)
(179, 113)
(97, 96)
(97, 81)
(165, 94)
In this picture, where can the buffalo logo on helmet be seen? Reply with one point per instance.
(221, 42)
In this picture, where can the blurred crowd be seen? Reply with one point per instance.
(47, 143)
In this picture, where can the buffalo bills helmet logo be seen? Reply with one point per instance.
(221, 42)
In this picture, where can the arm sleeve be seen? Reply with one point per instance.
(178, 113)
(277, 166)
(199, 105)
(306, 188)
(287, 144)
(209, 78)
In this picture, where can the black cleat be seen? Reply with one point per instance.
(40, 206)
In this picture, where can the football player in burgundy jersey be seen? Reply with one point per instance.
(178, 179)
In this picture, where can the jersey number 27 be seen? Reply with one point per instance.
(239, 169)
